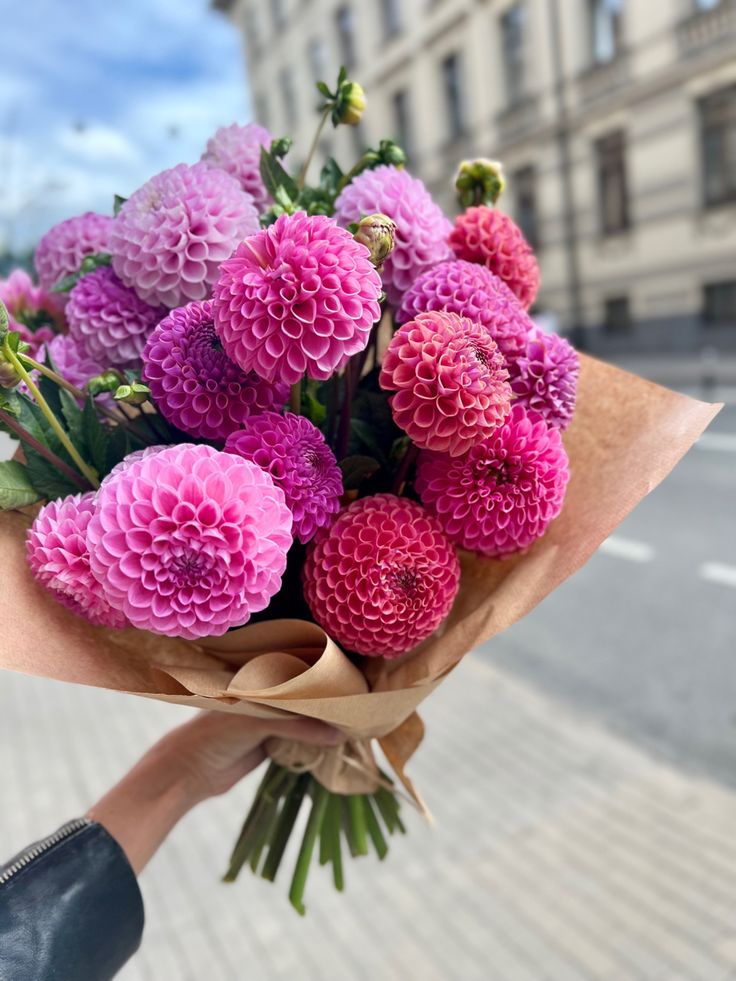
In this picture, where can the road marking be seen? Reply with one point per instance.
(724, 442)
(625, 548)
(724, 575)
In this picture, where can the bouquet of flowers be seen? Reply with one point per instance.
(300, 448)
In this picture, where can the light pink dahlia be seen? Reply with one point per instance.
(172, 234)
(133, 458)
(195, 384)
(188, 542)
(502, 494)
(33, 312)
(299, 297)
(485, 235)
(294, 452)
(476, 293)
(62, 248)
(382, 577)
(450, 381)
(237, 150)
(59, 559)
(421, 226)
(544, 378)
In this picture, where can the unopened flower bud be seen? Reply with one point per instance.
(391, 153)
(9, 376)
(350, 103)
(378, 233)
(134, 394)
(479, 181)
(281, 146)
(108, 381)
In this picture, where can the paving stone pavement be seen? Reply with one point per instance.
(560, 853)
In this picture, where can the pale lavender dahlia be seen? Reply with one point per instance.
(195, 384)
(109, 320)
(59, 559)
(294, 452)
(62, 249)
(172, 234)
(474, 292)
(299, 297)
(421, 227)
(544, 378)
(188, 541)
(237, 150)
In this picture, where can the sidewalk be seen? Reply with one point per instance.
(559, 854)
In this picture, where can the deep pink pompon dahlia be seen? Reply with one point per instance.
(421, 226)
(383, 577)
(188, 542)
(109, 320)
(502, 494)
(59, 559)
(172, 234)
(237, 150)
(294, 452)
(62, 248)
(544, 378)
(195, 384)
(450, 382)
(485, 235)
(473, 292)
(301, 296)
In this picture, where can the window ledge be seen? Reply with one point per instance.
(707, 28)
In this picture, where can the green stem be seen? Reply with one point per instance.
(374, 829)
(305, 167)
(356, 810)
(295, 399)
(285, 825)
(320, 797)
(410, 455)
(331, 830)
(241, 851)
(15, 427)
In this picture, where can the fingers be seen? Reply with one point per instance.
(305, 731)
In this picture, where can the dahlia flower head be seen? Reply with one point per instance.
(189, 541)
(72, 362)
(474, 292)
(544, 378)
(62, 249)
(449, 379)
(109, 320)
(383, 577)
(421, 226)
(58, 556)
(300, 296)
(32, 311)
(237, 150)
(489, 237)
(500, 496)
(293, 451)
(194, 383)
(171, 235)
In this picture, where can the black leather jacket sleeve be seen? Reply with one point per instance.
(70, 908)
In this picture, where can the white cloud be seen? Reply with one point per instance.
(98, 144)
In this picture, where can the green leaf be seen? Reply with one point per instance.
(324, 90)
(342, 76)
(274, 175)
(356, 469)
(46, 479)
(10, 402)
(94, 436)
(118, 447)
(72, 417)
(330, 176)
(16, 489)
(311, 406)
(66, 283)
(117, 202)
(366, 436)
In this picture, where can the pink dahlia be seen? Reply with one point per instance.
(502, 494)
(421, 226)
(188, 542)
(294, 452)
(237, 150)
(383, 577)
(450, 381)
(172, 234)
(544, 378)
(62, 248)
(133, 458)
(59, 559)
(300, 296)
(33, 312)
(72, 361)
(195, 384)
(485, 235)
(476, 293)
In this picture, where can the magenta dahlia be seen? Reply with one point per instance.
(485, 235)
(294, 452)
(544, 378)
(237, 150)
(172, 234)
(382, 577)
(195, 384)
(301, 296)
(421, 227)
(59, 559)
(502, 494)
(62, 248)
(33, 312)
(450, 382)
(473, 292)
(188, 542)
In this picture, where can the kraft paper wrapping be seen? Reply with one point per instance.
(627, 434)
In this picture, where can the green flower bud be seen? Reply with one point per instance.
(479, 181)
(108, 381)
(378, 233)
(391, 153)
(349, 104)
(281, 146)
(133, 394)
(9, 376)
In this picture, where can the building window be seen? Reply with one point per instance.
(452, 85)
(346, 36)
(617, 315)
(605, 29)
(718, 139)
(613, 194)
(317, 57)
(402, 121)
(719, 304)
(288, 95)
(512, 39)
(391, 15)
(524, 185)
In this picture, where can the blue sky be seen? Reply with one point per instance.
(97, 96)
